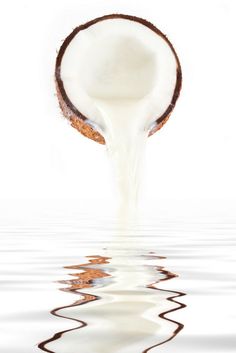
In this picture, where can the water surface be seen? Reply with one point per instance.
(87, 286)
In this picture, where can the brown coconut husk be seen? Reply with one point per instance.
(76, 118)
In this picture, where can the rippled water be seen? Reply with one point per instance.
(87, 286)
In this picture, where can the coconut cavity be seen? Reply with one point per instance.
(118, 77)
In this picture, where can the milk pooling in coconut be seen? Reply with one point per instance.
(120, 76)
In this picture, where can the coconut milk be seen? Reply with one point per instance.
(125, 136)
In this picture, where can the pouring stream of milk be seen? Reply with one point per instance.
(125, 136)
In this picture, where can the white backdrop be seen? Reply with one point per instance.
(192, 157)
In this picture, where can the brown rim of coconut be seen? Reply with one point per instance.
(77, 119)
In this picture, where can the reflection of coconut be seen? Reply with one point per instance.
(116, 58)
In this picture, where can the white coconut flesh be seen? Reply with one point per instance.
(121, 76)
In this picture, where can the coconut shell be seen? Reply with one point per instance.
(76, 118)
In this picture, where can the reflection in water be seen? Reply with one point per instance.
(167, 276)
(83, 280)
(130, 300)
(132, 312)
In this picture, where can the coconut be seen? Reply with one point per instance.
(121, 59)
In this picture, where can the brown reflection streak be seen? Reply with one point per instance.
(168, 275)
(82, 280)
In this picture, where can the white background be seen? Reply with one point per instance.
(191, 158)
(44, 161)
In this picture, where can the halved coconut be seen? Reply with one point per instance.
(116, 58)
